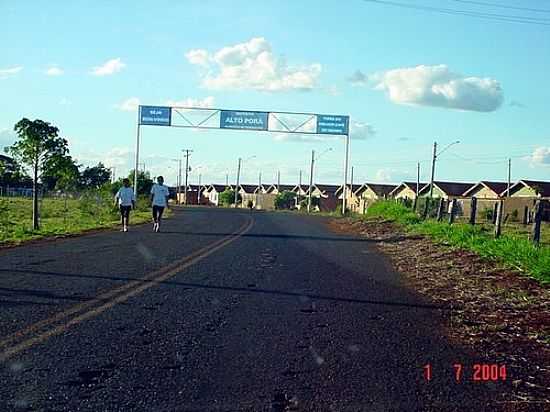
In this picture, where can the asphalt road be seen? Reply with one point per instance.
(224, 310)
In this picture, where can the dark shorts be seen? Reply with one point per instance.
(125, 210)
(157, 212)
(125, 213)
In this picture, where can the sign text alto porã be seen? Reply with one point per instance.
(243, 120)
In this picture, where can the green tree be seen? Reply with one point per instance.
(285, 200)
(227, 197)
(315, 202)
(38, 142)
(12, 174)
(95, 177)
(61, 173)
(144, 182)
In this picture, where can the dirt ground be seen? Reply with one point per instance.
(495, 311)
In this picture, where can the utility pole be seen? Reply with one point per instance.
(179, 181)
(351, 182)
(415, 203)
(260, 180)
(237, 185)
(187, 151)
(227, 180)
(310, 181)
(142, 164)
(299, 188)
(278, 180)
(346, 166)
(434, 157)
(417, 179)
(509, 176)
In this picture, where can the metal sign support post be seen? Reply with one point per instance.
(137, 154)
(346, 167)
(237, 185)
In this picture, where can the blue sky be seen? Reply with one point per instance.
(406, 77)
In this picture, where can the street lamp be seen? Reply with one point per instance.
(238, 177)
(187, 154)
(434, 158)
(311, 175)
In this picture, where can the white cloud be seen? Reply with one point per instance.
(358, 78)
(65, 102)
(332, 90)
(12, 71)
(205, 103)
(361, 131)
(515, 103)
(252, 65)
(109, 67)
(198, 57)
(120, 157)
(439, 87)
(383, 175)
(541, 156)
(54, 71)
(129, 105)
(301, 138)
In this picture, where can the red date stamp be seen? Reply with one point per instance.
(480, 372)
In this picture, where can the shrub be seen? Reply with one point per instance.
(227, 197)
(315, 202)
(488, 214)
(285, 200)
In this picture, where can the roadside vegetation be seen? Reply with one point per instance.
(67, 197)
(64, 216)
(513, 249)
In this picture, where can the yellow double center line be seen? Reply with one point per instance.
(59, 323)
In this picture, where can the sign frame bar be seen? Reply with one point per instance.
(215, 111)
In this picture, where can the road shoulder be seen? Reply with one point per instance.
(496, 312)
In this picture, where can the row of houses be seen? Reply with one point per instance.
(359, 196)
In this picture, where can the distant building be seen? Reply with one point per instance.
(487, 190)
(530, 188)
(406, 190)
(446, 190)
(369, 193)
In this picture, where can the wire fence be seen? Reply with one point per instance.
(524, 217)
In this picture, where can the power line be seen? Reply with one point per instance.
(467, 13)
(502, 6)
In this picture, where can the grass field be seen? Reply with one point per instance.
(513, 248)
(60, 217)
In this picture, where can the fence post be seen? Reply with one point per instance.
(498, 220)
(525, 215)
(473, 210)
(440, 210)
(537, 219)
(452, 212)
(495, 210)
(426, 207)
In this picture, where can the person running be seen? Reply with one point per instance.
(159, 200)
(126, 201)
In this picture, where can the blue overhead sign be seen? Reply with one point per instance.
(230, 119)
(155, 115)
(332, 124)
